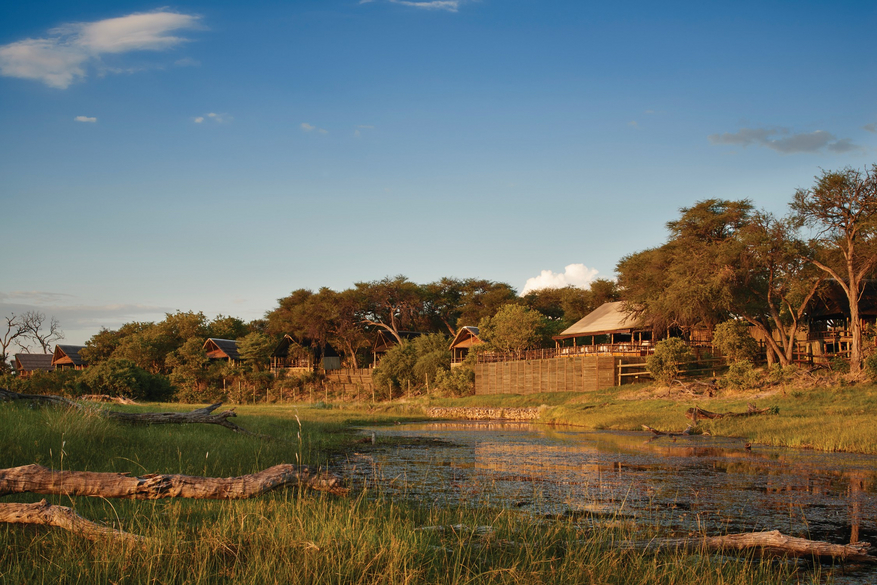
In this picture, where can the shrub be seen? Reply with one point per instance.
(121, 377)
(871, 367)
(669, 359)
(733, 339)
(456, 382)
(742, 374)
(413, 362)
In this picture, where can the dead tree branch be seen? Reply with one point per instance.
(44, 514)
(696, 412)
(42, 480)
(772, 543)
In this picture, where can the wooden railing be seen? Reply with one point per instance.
(627, 349)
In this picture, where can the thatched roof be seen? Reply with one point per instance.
(466, 337)
(221, 348)
(67, 354)
(607, 318)
(30, 362)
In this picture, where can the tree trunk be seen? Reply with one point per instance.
(42, 480)
(772, 543)
(697, 412)
(44, 514)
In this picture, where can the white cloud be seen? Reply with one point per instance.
(62, 57)
(218, 118)
(577, 275)
(783, 141)
(85, 119)
(449, 5)
(187, 62)
(310, 128)
(633, 124)
(870, 127)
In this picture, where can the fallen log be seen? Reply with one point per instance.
(658, 433)
(107, 398)
(772, 543)
(711, 388)
(44, 514)
(200, 415)
(696, 412)
(42, 480)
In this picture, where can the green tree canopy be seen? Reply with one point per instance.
(514, 328)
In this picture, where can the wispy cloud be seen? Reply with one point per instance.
(85, 119)
(187, 62)
(310, 128)
(446, 5)
(218, 118)
(870, 127)
(782, 140)
(633, 124)
(63, 56)
(357, 132)
(577, 275)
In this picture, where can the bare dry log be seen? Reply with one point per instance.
(696, 412)
(201, 415)
(44, 514)
(658, 433)
(772, 543)
(710, 388)
(107, 398)
(42, 480)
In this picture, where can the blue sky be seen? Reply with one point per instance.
(214, 156)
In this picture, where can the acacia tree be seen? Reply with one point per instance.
(841, 208)
(777, 282)
(723, 260)
(14, 330)
(391, 304)
(514, 328)
(42, 332)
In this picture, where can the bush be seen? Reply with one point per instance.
(733, 339)
(779, 374)
(669, 360)
(871, 367)
(742, 374)
(413, 362)
(121, 377)
(457, 381)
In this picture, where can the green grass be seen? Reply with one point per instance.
(292, 536)
(827, 419)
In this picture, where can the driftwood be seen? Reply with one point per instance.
(772, 543)
(201, 415)
(45, 514)
(42, 480)
(107, 398)
(658, 433)
(696, 412)
(711, 388)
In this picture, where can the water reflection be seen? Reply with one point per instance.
(691, 484)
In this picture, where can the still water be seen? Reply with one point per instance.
(690, 485)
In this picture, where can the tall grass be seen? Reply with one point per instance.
(294, 536)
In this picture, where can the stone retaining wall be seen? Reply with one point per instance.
(484, 413)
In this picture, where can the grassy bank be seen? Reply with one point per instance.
(301, 537)
(828, 419)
